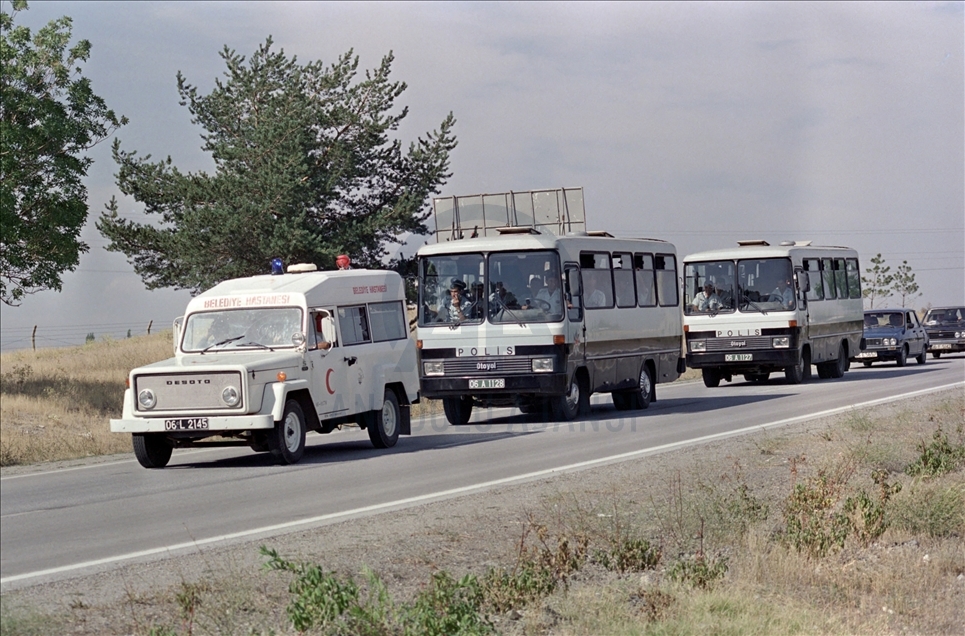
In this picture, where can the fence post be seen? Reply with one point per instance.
(33, 338)
(149, 327)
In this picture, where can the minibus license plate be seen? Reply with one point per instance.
(738, 357)
(186, 424)
(489, 383)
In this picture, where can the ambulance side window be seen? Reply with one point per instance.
(388, 321)
(354, 324)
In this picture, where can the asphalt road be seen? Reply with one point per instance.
(61, 523)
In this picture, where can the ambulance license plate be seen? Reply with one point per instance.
(186, 424)
(489, 383)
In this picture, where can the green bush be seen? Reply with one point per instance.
(539, 569)
(447, 607)
(319, 598)
(938, 457)
(698, 571)
(867, 513)
(934, 509)
(812, 525)
(629, 555)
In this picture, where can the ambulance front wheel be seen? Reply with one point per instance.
(383, 425)
(286, 442)
(153, 450)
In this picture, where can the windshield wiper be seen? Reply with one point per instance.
(747, 301)
(255, 344)
(506, 307)
(222, 343)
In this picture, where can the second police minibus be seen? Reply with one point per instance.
(758, 308)
(520, 306)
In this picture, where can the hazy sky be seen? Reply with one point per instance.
(701, 123)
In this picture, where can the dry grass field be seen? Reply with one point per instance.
(55, 403)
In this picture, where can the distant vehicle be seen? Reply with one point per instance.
(518, 306)
(761, 308)
(261, 360)
(946, 330)
(892, 334)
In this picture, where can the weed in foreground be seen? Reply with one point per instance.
(319, 598)
(938, 457)
(630, 555)
(813, 525)
(446, 607)
(698, 571)
(539, 569)
(930, 508)
(327, 603)
(867, 512)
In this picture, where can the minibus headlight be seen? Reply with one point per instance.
(230, 396)
(433, 368)
(542, 365)
(698, 345)
(146, 399)
(782, 342)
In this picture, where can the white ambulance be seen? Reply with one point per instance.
(260, 361)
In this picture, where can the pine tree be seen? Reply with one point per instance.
(305, 169)
(877, 285)
(904, 284)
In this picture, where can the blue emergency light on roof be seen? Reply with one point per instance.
(277, 267)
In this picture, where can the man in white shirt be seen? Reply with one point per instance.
(783, 294)
(706, 300)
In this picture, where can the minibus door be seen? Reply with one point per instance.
(575, 325)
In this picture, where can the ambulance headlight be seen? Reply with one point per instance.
(433, 368)
(542, 365)
(782, 342)
(298, 339)
(146, 399)
(698, 345)
(230, 396)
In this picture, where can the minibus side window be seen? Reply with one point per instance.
(813, 267)
(666, 268)
(827, 275)
(854, 278)
(623, 280)
(643, 269)
(597, 280)
(841, 277)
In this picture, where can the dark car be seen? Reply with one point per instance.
(892, 334)
(946, 329)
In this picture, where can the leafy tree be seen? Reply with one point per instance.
(877, 285)
(49, 117)
(304, 170)
(904, 284)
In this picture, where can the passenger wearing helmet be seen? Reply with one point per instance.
(342, 261)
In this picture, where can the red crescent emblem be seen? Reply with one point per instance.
(328, 386)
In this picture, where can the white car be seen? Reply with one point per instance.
(260, 361)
